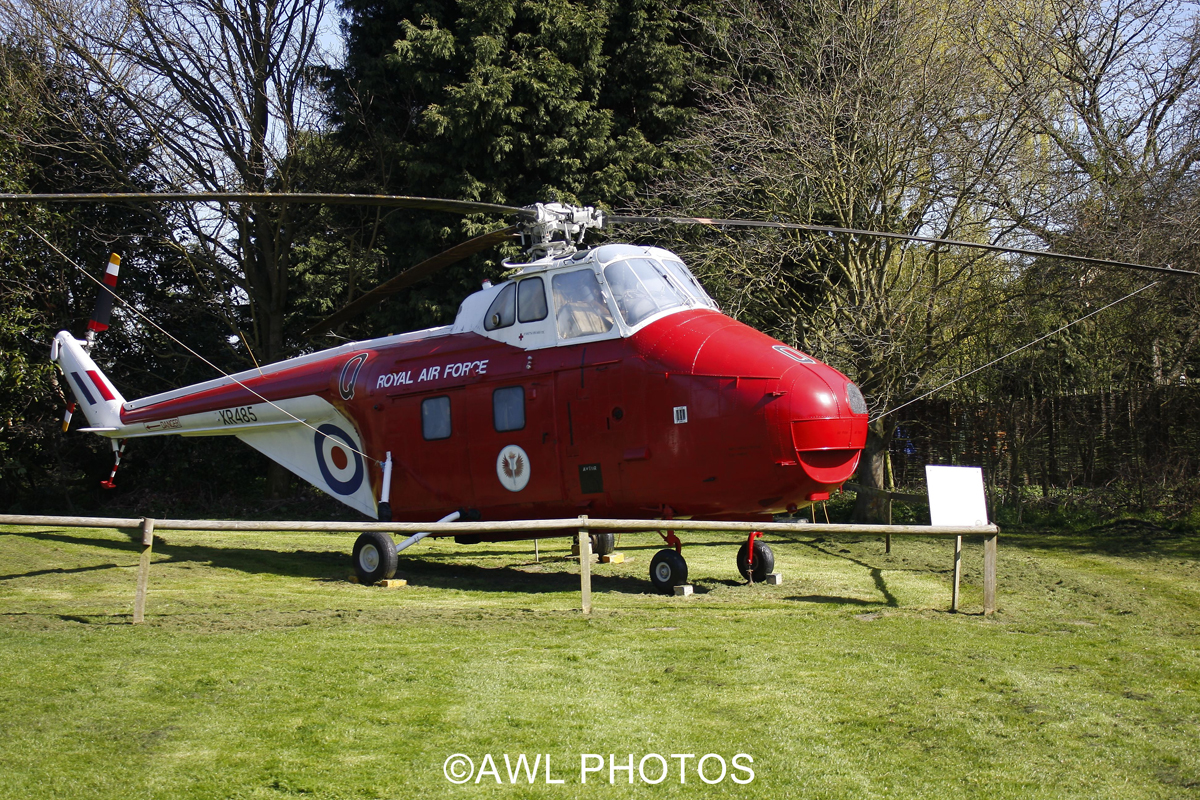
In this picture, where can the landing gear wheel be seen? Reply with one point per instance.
(374, 557)
(667, 570)
(764, 561)
(603, 543)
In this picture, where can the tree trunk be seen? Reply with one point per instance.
(872, 472)
(271, 239)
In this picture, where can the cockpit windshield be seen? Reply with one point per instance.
(689, 283)
(641, 288)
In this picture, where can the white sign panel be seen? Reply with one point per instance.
(956, 496)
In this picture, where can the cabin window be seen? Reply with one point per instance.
(641, 288)
(435, 418)
(502, 312)
(508, 408)
(531, 300)
(580, 307)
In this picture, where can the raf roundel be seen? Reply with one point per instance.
(338, 459)
(512, 468)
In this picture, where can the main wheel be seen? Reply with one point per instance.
(603, 543)
(667, 570)
(764, 561)
(374, 557)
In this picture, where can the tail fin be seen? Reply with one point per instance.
(100, 402)
(98, 399)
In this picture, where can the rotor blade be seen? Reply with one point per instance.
(411, 276)
(797, 226)
(389, 200)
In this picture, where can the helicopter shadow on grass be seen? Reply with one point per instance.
(298, 563)
(333, 566)
(440, 574)
(644, 542)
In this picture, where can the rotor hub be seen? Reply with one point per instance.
(556, 229)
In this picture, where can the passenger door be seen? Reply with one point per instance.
(513, 448)
(590, 396)
(429, 456)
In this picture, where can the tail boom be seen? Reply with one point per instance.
(284, 411)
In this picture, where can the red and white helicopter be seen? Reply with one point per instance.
(601, 381)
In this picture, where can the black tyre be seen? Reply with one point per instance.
(667, 570)
(603, 543)
(764, 561)
(374, 557)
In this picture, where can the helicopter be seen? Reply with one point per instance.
(593, 380)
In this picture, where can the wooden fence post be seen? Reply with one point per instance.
(989, 575)
(139, 602)
(585, 569)
(887, 539)
(957, 572)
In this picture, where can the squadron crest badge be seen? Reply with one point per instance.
(512, 468)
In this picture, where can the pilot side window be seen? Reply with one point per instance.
(531, 300)
(435, 418)
(502, 312)
(581, 310)
(508, 408)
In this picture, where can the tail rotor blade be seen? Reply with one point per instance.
(104, 301)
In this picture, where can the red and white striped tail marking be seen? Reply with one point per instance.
(101, 384)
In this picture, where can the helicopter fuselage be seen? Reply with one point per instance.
(541, 409)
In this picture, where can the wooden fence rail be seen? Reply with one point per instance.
(581, 526)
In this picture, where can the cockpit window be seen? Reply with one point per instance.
(641, 288)
(688, 281)
(503, 311)
(580, 308)
(531, 300)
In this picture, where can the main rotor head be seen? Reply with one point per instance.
(555, 229)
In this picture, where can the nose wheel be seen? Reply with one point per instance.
(755, 560)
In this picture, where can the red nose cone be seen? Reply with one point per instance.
(820, 419)
(827, 433)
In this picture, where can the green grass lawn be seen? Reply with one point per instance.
(262, 672)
